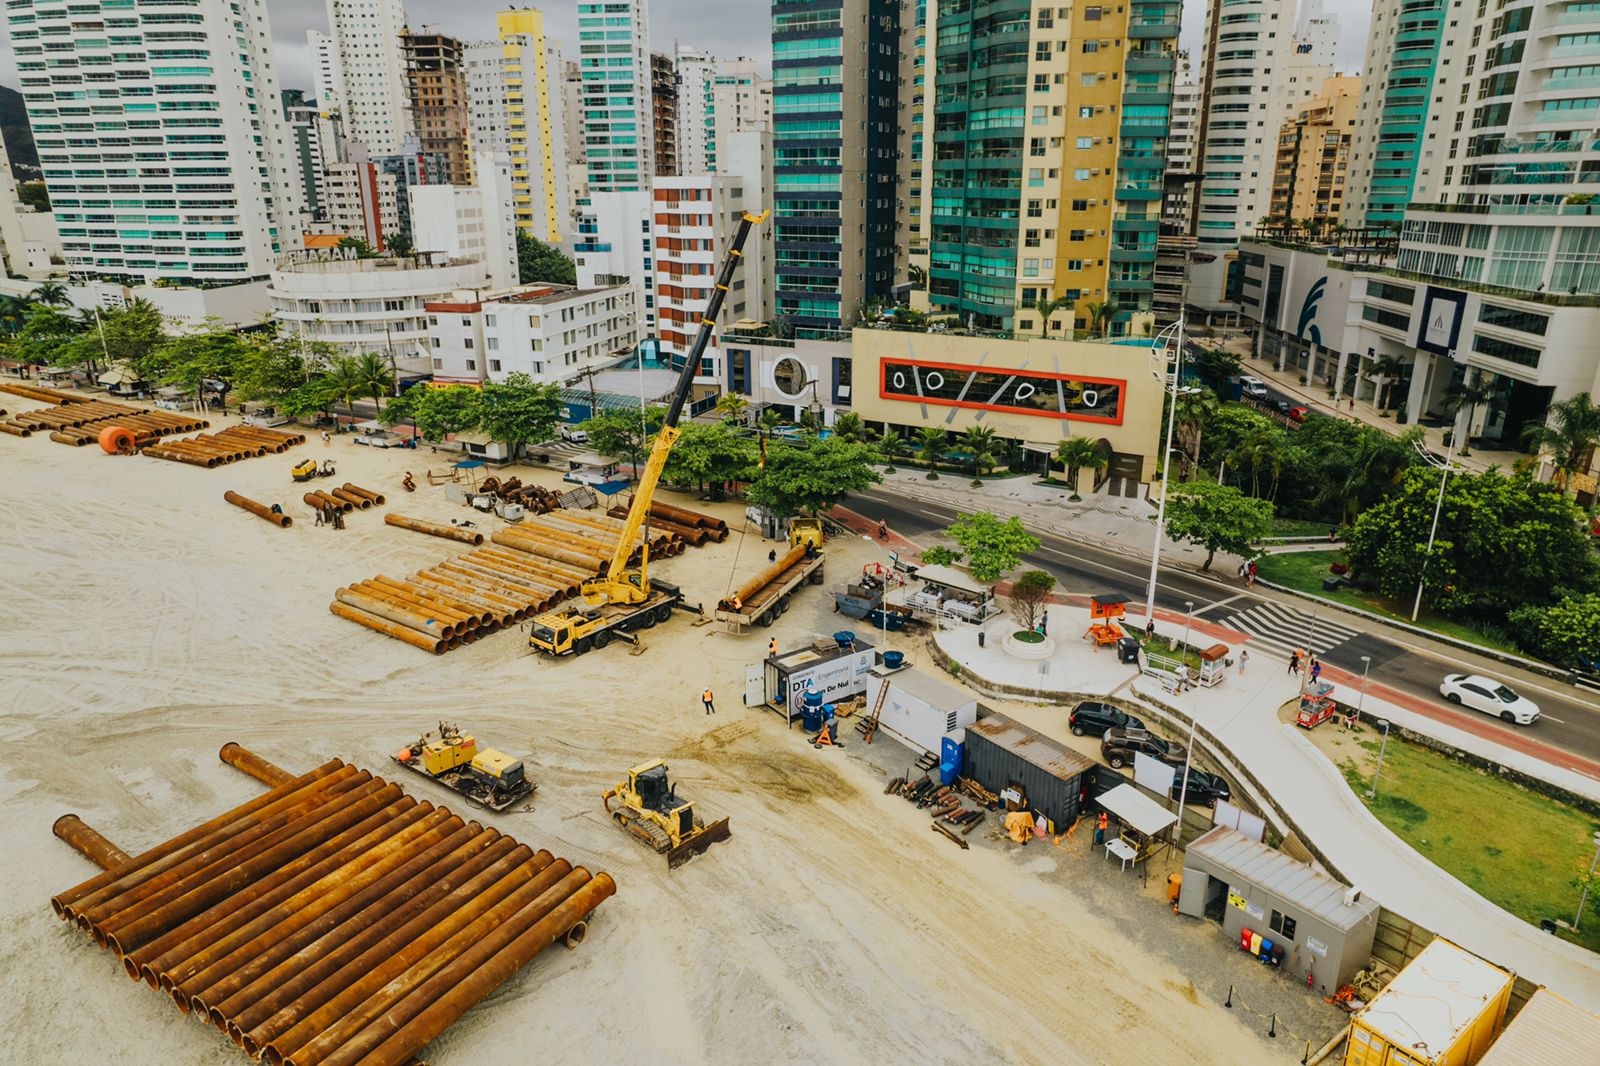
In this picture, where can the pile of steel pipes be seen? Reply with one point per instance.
(716, 528)
(78, 420)
(692, 535)
(332, 919)
(228, 446)
(345, 499)
(461, 599)
(583, 538)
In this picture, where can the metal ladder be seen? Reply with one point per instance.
(868, 727)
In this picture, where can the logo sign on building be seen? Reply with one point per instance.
(1442, 311)
(1024, 392)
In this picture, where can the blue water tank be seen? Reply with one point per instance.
(845, 638)
(893, 659)
(811, 718)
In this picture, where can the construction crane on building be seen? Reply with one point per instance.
(621, 599)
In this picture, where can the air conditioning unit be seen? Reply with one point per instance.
(1352, 896)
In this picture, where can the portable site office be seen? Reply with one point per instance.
(919, 710)
(1444, 1009)
(838, 671)
(949, 593)
(1325, 927)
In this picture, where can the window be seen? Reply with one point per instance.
(494, 364)
(465, 321)
(1283, 925)
(1520, 354)
(1092, 14)
(488, 321)
(1086, 112)
(1511, 318)
(1091, 46)
(1082, 174)
(1035, 210)
(1085, 142)
(472, 364)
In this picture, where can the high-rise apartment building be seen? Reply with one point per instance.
(1403, 45)
(514, 88)
(436, 84)
(614, 62)
(664, 113)
(835, 109)
(371, 71)
(914, 177)
(1308, 180)
(694, 218)
(326, 87)
(572, 112)
(1182, 161)
(696, 69)
(716, 99)
(1254, 75)
(1049, 143)
(162, 141)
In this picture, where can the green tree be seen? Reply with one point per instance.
(711, 455)
(814, 476)
(1048, 307)
(50, 337)
(310, 398)
(32, 193)
(537, 261)
(190, 360)
(1218, 518)
(1474, 389)
(623, 434)
(931, 441)
(1101, 314)
(1570, 433)
(1565, 632)
(13, 313)
(1217, 367)
(344, 382)
(888, 443)
(360, 246)
(376, 375)
(939, 555)
(1503, 542)
(850, 427)
(991, 546)
(733, 407)
(52, 294)
(1389, 371)
(129, 334)
(274, 364)
(1029, 595)
(436, 413)
(1264, 449)
(1354, 472)
(399, 244)
(1076, 453)
(519, 411)
(1194, 409)
(980, 442)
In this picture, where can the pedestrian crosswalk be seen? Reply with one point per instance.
(1279, 629)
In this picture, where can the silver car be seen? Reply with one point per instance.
(1489, 696)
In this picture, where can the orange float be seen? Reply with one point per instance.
(117, 440)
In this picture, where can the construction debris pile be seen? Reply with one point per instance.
(333, 919)
(228, 446)
(525, 570)
(946, 803)
(79, 420)
(535, 499)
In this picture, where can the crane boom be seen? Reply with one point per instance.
(614, 585)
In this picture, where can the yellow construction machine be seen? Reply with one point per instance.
(621, 600)
(307, 469)
(805, 531)
(486, 777)
(651, 810)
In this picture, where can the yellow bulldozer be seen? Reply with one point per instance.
(650, 809)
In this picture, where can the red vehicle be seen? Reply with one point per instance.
(1299, 413)
(1316, 705)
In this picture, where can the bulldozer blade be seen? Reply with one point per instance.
(711, 834)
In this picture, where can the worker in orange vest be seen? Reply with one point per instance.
(1100, 826)
(705, 698)
(772, 646)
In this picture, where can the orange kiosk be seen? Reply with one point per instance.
(1104, 610)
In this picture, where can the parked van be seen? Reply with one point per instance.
(1254, 388)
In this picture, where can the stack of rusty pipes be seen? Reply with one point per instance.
(377, 498)
(434, 529)
(79, 422)
(684, 516)
(321, 501)
(694, 536)
(228, 446)
(332, 920)
(44, 395)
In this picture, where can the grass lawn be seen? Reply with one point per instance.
(1516, 848)
(1295, 527)
(1306, 570)
(1166, 646)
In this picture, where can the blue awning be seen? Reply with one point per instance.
(611, 488)
(468, 464)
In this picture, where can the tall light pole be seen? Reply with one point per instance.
(1194, 724)
(1584, 896)
(1171, 338)
(1416, 606)
(1383, 723)
(1361, 700)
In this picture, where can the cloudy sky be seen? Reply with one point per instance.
(723, 27)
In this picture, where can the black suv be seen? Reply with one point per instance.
(1204, 788)
(1092, 716)
(1118, 747)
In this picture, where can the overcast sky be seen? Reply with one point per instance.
(724, 27)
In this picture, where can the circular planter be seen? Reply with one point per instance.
(1027, 650)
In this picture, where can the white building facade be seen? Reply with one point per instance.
(327, 86)
(614, 64)
(471, 221)
(552, 333)
(166, 156)
(615, 246)
(358, 200)
(371, 71)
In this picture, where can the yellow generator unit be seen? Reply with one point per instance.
(487, 777)
(805, 531)
(451, 750)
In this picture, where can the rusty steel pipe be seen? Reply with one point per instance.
(319, 501)
(450, 584)
(685, 516)
(331, 1028)
(767, 576)
(388, 628)
(295, 923)
(351, 498)
(163, 451)
(312, 976)
(158, 859)
(417, 525)
(586, 563)
(492, 584)
(87, 842)
(425, 595)
(372, 605)
(411, 598)
(152, 960)
(248, 762)
(524, 582)
(15, 430)
(357, 490)
(281, 520)
(453, 991)
(495, 615)
(536, 564)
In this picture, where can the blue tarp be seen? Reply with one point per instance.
(611, 488)
(468, 464)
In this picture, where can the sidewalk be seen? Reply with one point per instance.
(1242, 713)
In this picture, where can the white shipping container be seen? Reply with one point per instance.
(920, 710)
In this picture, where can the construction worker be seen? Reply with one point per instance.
(326, 440)
(772, 647)
(319, 516)
(705, 698)
(883, 531)
(1100, 825)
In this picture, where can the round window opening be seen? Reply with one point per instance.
(789, 376)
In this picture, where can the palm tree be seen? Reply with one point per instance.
(1378, 461)
(732, 407)
(1194, 409)
(344, 382)
(51, 294)
(1469, 393)
(917, 276)
(931, 441)
(1075, 453)
(1047, 307)
(850, 427)
(889, 442)
(13, 312)
(1387, 369)
(1263, 448)
(377, 377)
(1101, 312)
(1570, 432)
(981, 442)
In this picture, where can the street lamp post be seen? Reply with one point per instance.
(1361, 700)
(1416, 606)
(1172, 336)
(1383, 723)
(1194, 724)
(1584, 896)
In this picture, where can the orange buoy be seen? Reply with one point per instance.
(117, 440)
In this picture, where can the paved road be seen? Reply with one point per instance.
(1277, 624)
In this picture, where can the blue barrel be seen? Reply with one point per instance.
(845, 638)
(810, 718)
(893, 659)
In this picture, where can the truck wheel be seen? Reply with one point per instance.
(581, 646)
(766, 618)
(783, 605)
(663, 612)
(646, 620)
(602, 638)
(1115, 761)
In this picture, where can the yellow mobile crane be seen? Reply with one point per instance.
(619, 599)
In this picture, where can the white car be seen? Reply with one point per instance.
(573, 435)
(1489, 696)
(1254, 388)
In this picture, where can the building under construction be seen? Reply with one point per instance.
(436, 82)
